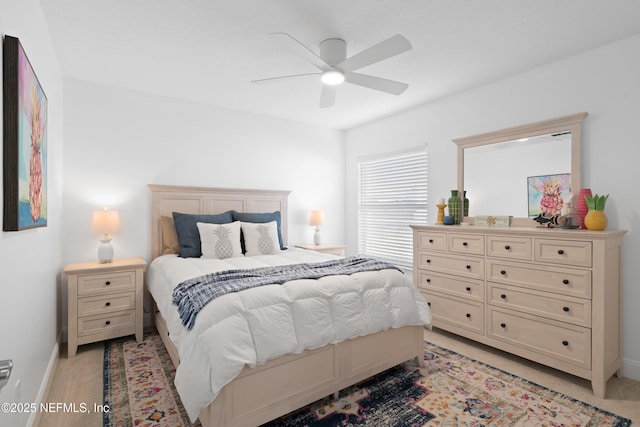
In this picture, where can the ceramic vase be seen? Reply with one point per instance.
(595, 220)
(581, 207)
(454, 207)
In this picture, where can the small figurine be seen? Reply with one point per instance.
(550, 221)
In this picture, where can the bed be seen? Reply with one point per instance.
(263, 391)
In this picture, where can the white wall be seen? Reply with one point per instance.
(118, 141)
(30, 260)
(602, 82)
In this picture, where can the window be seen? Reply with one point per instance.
(392, 195)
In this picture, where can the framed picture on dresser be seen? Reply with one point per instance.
(25, 141)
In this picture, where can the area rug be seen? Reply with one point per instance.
(453, 390)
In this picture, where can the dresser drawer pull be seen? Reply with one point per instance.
(464, 243)
(468, 315)
(429, 304)
(107, 283)
(560, 252)
(107, 304)
(108, 322)
(468, 289)
(503, 272)
(428, 280)
(565, 281)
(428, 261)
(565, 308)
(503, 325)
(430, 240)
(565, 343)
(468, 267)
(507, 247)
(503, 296)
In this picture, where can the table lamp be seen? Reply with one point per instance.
(316, 219)
(105, 222)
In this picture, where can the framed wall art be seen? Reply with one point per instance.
(546, 193)
(25, 141)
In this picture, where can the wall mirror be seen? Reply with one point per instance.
(494, 168)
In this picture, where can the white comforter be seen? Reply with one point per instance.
(260, 324)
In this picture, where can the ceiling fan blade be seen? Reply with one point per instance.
(379, 52)
(377, 83)
(328, 96)
(297, 47)
(274, 79)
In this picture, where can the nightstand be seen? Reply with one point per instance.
(105, 301)
(326, 248)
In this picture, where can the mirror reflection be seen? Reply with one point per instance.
(496, 175)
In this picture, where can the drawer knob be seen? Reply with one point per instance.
(503, 325)
(107, 283)
(507, 247)
(465, 244)
(565, 343)
(428, 280)
(503, 296)
(560, 252)
(428, 261)
(108, 322)
(468, 288)
(468, 315)
(503, 272)
(565, 308)
(565, 281)
(429, 304)
(430, 240)
(107, 304)
(468, 267)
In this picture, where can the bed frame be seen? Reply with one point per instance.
(282, 385)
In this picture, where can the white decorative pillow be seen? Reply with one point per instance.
(219, 241)
(260, 238)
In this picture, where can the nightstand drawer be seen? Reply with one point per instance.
(110, 303)
(105, 324)
(116, 281)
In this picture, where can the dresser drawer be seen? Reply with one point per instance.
(90, 284)
(471, 267)
(563, 281)
(566, 252)
(466, 243)
(510, 247)
(561, 341)
(105, 323)
(566, 309)
(463, 314)
(109, 303)
(467, 288)
(432, 240)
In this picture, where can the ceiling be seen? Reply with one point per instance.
(208, 51)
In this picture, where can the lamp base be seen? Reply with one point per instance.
(316, 236)
(105, 252)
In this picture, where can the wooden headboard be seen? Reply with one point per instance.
(166, 199)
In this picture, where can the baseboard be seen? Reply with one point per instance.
(631, 369)
(43, 393)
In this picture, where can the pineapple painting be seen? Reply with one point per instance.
(265, 242)
(27, 143)
(223, 248)
(35, 162)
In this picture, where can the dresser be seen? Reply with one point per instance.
(104, 301)
(548, 295)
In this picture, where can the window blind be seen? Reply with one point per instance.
(392, 194)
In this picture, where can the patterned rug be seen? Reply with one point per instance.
(453, 390)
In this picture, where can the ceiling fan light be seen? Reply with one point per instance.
(332, 77)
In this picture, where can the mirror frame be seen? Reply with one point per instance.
(572, 122)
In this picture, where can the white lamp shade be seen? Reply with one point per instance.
(105, 221)
(316, 218)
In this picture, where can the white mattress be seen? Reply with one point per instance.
(256, 325)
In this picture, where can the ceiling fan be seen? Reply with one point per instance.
(336, 68)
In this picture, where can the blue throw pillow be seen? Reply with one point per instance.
(188, 234)
(260, 218)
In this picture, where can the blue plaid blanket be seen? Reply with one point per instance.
(192, 295)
